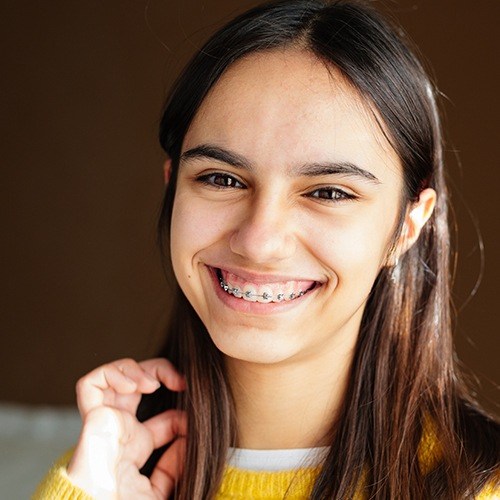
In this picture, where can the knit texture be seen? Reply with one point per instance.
(238, 484)
(57, 486)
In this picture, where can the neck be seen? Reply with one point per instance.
(291, 404)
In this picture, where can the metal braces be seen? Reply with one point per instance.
(266, 296)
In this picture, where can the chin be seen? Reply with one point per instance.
(255, 346)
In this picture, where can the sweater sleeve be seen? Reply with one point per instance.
(56, 485)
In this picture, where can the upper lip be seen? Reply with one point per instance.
(260, 279)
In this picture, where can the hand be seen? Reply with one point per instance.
(114, 445)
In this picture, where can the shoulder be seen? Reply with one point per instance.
(479, 439)
(468, 456)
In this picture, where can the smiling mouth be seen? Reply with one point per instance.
(266, 293)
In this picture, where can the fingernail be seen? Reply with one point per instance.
(152, 379)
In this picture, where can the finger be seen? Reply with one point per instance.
(167, 426)
(169, 469)
(122, 377)
(165, 372)
(91, 388)
(146, 383)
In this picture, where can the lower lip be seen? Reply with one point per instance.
(244, 306)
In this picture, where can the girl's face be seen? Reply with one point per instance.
(288, 194)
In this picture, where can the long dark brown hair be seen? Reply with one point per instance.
(403, 384)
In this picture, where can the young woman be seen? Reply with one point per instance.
(306, 213)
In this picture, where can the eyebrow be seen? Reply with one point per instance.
(219, 154)
(308, 169)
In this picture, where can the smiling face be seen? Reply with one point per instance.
(287, 199)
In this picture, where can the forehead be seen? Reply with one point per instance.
(284, 107)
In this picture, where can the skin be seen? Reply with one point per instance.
(278, 111)
(114, 445)
(282, 114)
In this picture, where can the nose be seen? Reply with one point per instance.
(265, 232)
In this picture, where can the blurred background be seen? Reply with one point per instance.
(81, 184)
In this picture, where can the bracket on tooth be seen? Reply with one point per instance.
(265, 295)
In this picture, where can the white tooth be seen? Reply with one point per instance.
(265, 294)
(288, 291)
(249, 293)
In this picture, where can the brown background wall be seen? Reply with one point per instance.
(81, 182)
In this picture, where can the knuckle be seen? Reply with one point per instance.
(123, 361)
(104, 420)
(80, 384)
(155, 361)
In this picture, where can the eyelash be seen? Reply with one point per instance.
(335, 194)
(209, 180)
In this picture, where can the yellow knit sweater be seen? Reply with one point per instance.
(237, 484)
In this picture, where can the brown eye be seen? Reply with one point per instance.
(221, 181)
(331, 194)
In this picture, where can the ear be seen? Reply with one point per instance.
(167, 170)
(416, 217)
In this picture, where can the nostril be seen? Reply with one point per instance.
(262, 245)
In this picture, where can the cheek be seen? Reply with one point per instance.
(194, 227)
(182, 244)
(351, 246)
